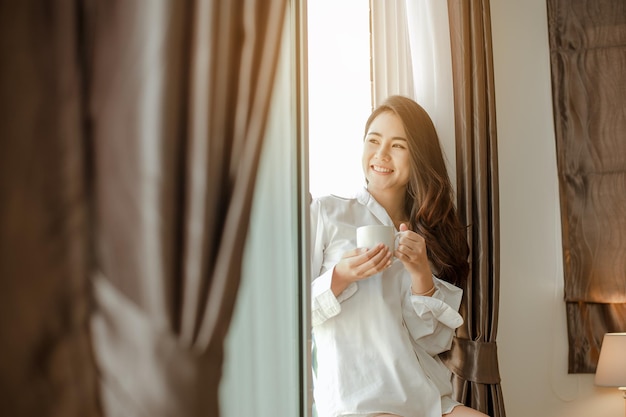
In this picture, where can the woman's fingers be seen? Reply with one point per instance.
(359, 264)
(379, 259)
(411, 246)
(364, 263)
(352, 253)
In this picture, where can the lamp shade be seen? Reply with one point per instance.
(611, 370)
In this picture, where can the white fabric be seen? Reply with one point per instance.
(428, 31)
(391, 57)
(376, 343)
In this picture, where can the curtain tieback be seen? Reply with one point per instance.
(473, 360)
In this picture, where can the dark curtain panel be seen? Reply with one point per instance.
(473, 358)
(180, 92)
(130, 134)
(46, 364)
(588, 63)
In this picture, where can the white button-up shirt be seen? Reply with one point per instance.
(376, 344)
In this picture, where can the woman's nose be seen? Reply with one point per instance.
(382, 153)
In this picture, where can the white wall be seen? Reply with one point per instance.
(532, 337)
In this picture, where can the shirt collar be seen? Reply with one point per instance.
(365, 198)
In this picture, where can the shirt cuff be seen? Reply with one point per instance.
(442, 305)
(324, 304)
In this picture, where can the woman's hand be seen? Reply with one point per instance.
(359, 264)
(411, 251)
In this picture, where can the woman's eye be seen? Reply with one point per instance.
(372, 140)
(398, 145)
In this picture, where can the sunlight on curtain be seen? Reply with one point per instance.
(339, 93)
(411, 57)
(391, 54)
(262, 351)
(429, 40)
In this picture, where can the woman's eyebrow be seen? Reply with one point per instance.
(378, 134)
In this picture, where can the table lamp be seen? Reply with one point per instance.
(611, 370)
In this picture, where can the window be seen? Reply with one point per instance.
(339, 93)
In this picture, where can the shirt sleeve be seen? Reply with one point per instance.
(324, 304)
(432, 321)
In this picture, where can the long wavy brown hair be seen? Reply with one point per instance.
(429, 200)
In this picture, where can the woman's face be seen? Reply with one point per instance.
(386, 162)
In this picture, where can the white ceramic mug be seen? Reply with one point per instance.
(372, 235)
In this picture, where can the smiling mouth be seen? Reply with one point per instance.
(381, 170)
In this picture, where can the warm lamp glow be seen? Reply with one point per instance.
(611, 370)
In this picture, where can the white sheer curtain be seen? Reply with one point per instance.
(429, 40)
(411, 56)
(391, 56)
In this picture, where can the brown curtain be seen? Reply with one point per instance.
(473, 357)
(180, 94)
(131, 133)
(588, 63)
(46, 364)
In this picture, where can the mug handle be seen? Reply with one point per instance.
(395, 242)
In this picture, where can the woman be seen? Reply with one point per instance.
(380, 319)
